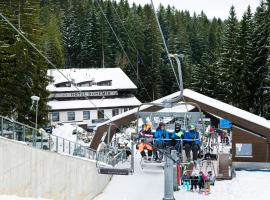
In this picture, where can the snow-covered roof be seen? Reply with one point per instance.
(119, 79)
(93, 103)
(192, 96)
(135, 110)
(226, 108)
(178, 108)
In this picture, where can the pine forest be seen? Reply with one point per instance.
(226, 59)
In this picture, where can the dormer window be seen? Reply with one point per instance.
(63, 84)
(85, 84)
(105, 83)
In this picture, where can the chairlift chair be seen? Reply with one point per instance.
(170, 118)
(111, 160)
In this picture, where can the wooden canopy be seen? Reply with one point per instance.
(238, 117)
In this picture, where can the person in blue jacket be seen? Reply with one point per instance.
(192, 142)
(176, 135)
(159, 136)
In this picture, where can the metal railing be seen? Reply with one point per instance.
(111, 156)
(28, 135)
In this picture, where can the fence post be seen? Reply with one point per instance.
(56, 145)
(14, 131)
(2, 124)
(50, 139)
(23, 133)
(41, 137)
(33, 138)
(69, 147)
(63, 145)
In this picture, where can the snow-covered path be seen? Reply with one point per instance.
(143, 184)
(149, 184)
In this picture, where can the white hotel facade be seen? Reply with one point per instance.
(108, 89)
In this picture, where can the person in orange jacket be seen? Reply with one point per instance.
(144, 146)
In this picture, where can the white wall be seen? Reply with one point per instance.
(29, 172)
(79, 116)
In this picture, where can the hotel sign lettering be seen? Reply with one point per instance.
(86, 94)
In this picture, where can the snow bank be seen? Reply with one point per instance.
(149, 184)
(66, 139)
(6, 197)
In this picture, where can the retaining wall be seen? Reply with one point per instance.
(29, 172)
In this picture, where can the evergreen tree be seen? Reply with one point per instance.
(229, 70)
(53, 42)
(69, 33)
(91, 44)
(260, 70)
(26, 70)
(246, 60)
(152, 76)
(8, 39)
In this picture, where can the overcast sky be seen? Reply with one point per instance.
(217, 8)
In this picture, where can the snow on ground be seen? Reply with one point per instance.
(9, 197)
(66, 131)
(66, 139)
(149, 184)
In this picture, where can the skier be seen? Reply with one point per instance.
(192, 143)
(209, 180)
(194, 181)
(185, 180)
(177, 134)
(159, 136)
(146, 133)
(201, 180)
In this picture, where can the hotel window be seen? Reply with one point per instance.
(86, 115)
(243, 150)
(100, 114)
(115, 112)
(55, 116)
(71, 116)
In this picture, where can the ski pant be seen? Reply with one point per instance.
(193, 184)
(178, 148)
(200, 184)
(195, 149)
(158, 145)
(186, 185)
(149, 153)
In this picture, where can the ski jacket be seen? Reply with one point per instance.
(161, 134)
(185, 178)
(192, 134)
(178, 135)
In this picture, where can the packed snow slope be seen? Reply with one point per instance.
(149, 184)
(12, 197)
